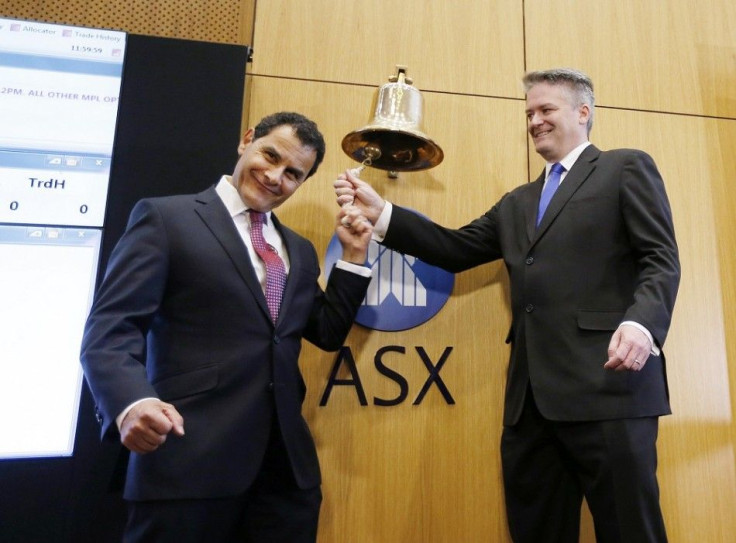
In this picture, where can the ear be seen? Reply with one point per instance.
(584, 114)
(247, 139)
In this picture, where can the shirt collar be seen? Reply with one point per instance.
(570, 159)
(231, 197)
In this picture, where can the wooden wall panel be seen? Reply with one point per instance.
(723, 141)
(413, 473)
(697, 472)
(675, 56)
(394, 459)
(473, 48)
(644, 58)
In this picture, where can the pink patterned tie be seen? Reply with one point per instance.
(275, 270)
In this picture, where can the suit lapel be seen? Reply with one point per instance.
(216, 218)
(532, 205)
(577, 175)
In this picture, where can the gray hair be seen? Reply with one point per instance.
(580, 85)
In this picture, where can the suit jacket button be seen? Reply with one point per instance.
(529, 308)
(276, 339)
(270, 387)
(530, 260)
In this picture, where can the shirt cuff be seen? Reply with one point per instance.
(121, 416)
(381, 226)
(353, 268)
(655, 349)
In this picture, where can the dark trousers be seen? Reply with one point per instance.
(273, 510)
(549, 466)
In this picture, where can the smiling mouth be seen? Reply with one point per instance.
(265, 187)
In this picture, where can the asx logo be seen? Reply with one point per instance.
(404, 292)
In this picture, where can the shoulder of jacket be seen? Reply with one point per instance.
(623, 153)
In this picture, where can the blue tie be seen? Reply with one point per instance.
(553, 181)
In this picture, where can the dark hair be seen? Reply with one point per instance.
(305, 129)
(578, 82)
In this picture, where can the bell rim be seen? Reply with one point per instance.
(354, 151)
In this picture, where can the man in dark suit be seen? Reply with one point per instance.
(593, 281)
(181, 335)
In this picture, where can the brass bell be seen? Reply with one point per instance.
(394, 140)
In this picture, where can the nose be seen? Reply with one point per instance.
(274, 175)
(534, 119)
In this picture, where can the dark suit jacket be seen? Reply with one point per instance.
(181, 296)
(605, 252)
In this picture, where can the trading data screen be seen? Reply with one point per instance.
(59, 93)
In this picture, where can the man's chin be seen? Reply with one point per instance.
(542, 149)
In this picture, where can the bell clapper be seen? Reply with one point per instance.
(371, 153)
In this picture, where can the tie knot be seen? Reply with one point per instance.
(256, 217)
(557, 168)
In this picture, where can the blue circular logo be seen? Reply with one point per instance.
(404, 292)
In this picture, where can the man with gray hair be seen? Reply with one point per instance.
(594, 270)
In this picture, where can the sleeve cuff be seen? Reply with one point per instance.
(353, 268)
(655, 350)
(381, 226)
(121, 416)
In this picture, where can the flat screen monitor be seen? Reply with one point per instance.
(59, 93)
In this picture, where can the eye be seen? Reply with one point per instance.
(293, 175)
